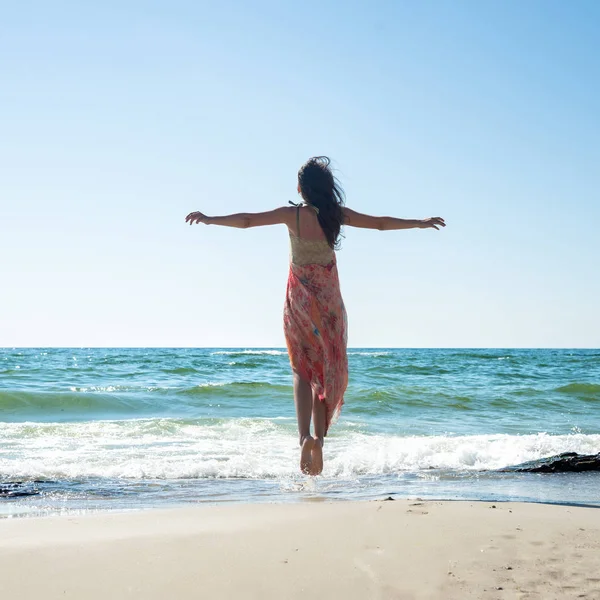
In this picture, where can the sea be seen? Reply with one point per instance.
(94, 429)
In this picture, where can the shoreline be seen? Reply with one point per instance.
(33, 513)
(340, 549)
(85, 513)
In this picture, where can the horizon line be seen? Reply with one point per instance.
(284, 348)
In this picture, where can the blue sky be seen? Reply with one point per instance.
(119, 118)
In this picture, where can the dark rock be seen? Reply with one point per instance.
(568, 462)
(17, 489)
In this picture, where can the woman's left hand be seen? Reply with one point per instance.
(435, 222)
(196, 217)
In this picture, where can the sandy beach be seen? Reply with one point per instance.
(353, 550)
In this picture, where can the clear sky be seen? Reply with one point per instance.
(119, 118)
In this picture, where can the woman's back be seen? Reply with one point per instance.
(308, 244)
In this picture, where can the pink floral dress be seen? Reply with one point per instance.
(315, 322)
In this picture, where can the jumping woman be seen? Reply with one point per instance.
(314, 316)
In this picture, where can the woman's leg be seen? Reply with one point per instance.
(319, 416)
(304, 402)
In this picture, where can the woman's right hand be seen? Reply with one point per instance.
(196, 217)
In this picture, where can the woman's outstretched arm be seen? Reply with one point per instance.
(356, 219)
(285, 214)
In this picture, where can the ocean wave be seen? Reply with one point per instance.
(365, 353)
(77, 402)
(16, 371)
(180, 370)
(245, 364)
(249, 352)
(392, 454)
(127, 400)
(374, 401)
(583, 390)
(253, 449)
(407, 370)
(238, 389)
(482, 355)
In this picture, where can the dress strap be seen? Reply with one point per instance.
(298, 207)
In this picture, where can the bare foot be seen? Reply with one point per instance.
(317, 457)
(306, 455)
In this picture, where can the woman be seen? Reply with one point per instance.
(314, 316)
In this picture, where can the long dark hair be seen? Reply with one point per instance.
(321, 189)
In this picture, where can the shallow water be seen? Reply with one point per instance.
(94, 429)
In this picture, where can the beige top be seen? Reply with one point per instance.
(308, 252)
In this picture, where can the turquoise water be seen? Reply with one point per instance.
(94, 429)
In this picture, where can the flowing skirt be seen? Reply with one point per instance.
(316, 332)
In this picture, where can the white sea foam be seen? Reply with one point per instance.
(113, 388)
(251, 448)
(382, 454)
